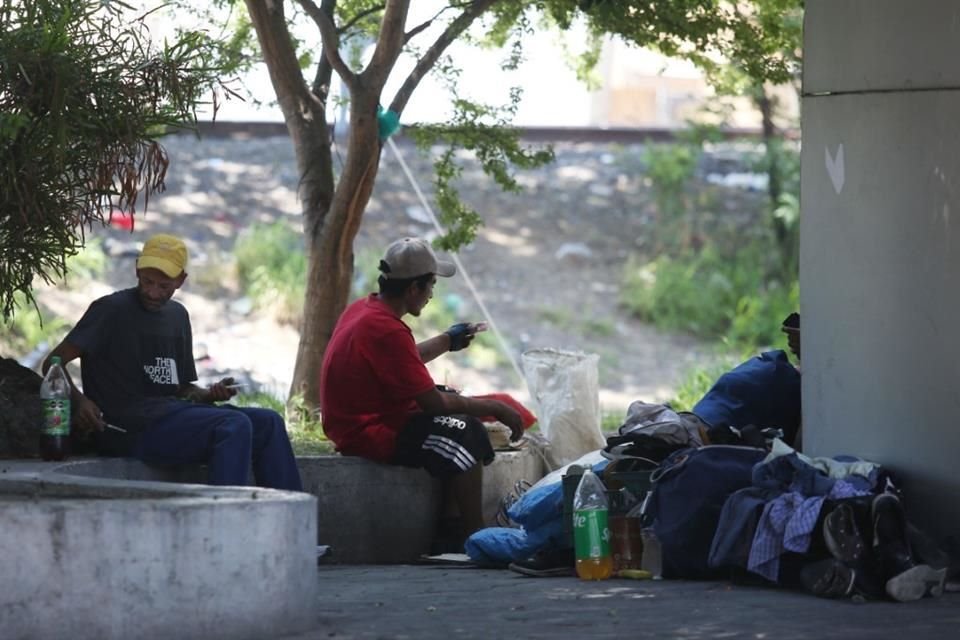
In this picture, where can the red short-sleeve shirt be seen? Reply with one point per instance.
(371, 374)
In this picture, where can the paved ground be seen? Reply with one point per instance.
(453, 602)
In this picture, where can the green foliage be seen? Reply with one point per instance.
(695, 29)
(306, 428)
(570, 321)
(758, 317)
(272, 269)
(30, 326)
(259, 399)
(762, 35)
(303, 427)
(365, 273)
(83, 96)
(90, 262)
(480, 129)
(712, 295)
(697, 382)
(670, 168)
(309, 442)
(611, 420)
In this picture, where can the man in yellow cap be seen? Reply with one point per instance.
(136, 355)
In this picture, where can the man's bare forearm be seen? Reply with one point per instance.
(434, 347)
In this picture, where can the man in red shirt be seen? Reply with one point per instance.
(380, 402)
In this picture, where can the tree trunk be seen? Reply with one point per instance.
(330, 235)
(774, 176)
(331, 215)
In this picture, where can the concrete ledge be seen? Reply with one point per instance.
(102, 559)
(371, 513)
(368, 513)
(131, 469)
(382, 514)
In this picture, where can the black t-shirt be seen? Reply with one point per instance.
(132, 360)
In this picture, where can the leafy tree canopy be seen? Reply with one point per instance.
(761, 37)
(84, 95)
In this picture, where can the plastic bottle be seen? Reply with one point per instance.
(591, 533)
(652, 560)
(55, 425)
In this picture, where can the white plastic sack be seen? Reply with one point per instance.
(564, 386)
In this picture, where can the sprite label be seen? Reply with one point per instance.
(56, 417)
(591, 535)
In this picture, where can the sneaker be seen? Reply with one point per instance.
(916, 582)
(323, 551)
(828, 578)
(546, 564)
(841, 535)
(906, 580)
(890, 541)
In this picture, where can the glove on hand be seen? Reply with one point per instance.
(460, 335)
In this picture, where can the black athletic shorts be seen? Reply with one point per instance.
(443, 445)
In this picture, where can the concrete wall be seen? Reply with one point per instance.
(880, 242)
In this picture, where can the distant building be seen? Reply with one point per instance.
(643, 88)
(640, 89)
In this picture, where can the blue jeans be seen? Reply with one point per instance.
(227, 439)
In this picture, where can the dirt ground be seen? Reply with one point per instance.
(547, 265)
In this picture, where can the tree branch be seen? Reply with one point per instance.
(321, 81)
(281, 57)
(429, 59)
(360, 16)
(389, 44)
(323, 18)
(420, 27)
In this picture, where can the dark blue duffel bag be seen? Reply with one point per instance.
(689, 489)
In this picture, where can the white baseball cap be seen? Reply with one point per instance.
(411, 258)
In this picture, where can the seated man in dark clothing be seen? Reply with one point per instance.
(761, 393)
(139, 381)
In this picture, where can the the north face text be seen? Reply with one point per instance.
(163, 371)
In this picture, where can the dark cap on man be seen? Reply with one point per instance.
(412, 258)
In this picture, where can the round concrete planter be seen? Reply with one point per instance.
(102, 559)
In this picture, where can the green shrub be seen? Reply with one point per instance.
(670, 168)
(90, 263)
(272, 269)
(27, 327)
(611, 420)
(757, 320)
(697, 382)
(729, 298)
(697, 294)
(303, 427)
(365, 273)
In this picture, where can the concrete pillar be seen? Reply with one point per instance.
(880, 242)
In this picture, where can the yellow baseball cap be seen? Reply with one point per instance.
(166, 253)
